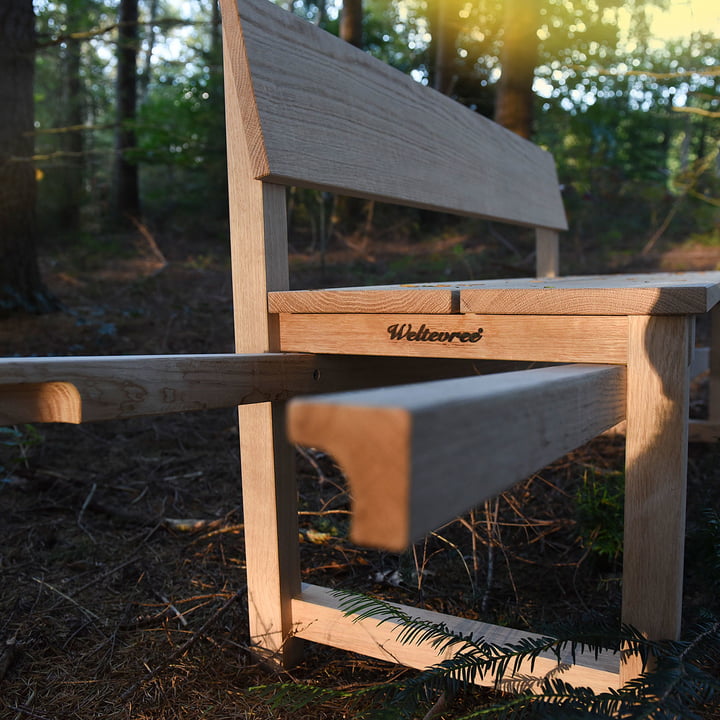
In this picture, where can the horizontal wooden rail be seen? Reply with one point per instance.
(83, 389)
(539, 338)
(316, 616)
(418, 455)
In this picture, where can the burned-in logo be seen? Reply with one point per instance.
(425, 334)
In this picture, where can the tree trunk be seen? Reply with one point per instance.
(150, 41)
(444, 24)
(72, 109)
(351, 22)
(215, 34)
(20, 284)
(127, 190)
(515, 98)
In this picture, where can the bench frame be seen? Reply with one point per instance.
(282, 78)
(281, 612)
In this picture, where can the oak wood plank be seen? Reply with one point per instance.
(85, 389)
(655, 477)
(399, 140)
(418, 455)
(258, 249)
(547, 253)
(714, 378)
(533, 338)
(639, 294)
(317, 617)
(700, 362)
(430, 298)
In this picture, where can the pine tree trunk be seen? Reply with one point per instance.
(444, 24)
(72, 141)
(127, 187)
(20, 284)
(515, 98)
(351, 22)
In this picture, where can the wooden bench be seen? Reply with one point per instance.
(304, 108)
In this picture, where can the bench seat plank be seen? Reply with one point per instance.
(418, 455)
(638, 294)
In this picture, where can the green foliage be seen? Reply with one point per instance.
(16, 444)
(599, 502)
(680, 684)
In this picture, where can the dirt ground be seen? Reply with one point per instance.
(121, 543)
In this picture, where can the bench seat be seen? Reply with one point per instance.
(636, 294)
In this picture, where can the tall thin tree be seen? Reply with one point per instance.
(515, 98)
(127, 186)
(20, 283)
(351, 21)
(72, 117)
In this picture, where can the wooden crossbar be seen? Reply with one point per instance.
(317, 616)
(86, 389)
(418, 455)
(83, 389)
(541, 338)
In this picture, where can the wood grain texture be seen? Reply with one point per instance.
(640, 294)
(317, 617)
(547, 253)
(533, 338)
(413, 298)
(85, 389)
(418, 455)
(399, 141)
(656, 474)
(258, 247)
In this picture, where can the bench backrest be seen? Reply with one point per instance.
(320, 113)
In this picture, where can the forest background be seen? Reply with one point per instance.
(115, 123)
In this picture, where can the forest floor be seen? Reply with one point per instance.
(121, 544)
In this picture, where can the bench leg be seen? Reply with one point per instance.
(271, 531)
(656, 476)
(714, 381)
(547, 253)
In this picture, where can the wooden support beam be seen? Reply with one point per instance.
(552, 338)
(317, 617)
(700, 362)
(655, 478)
(258, 250)
(547, 253)
(85, 389)
(714, 380)
(418, 455)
